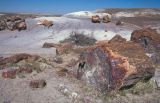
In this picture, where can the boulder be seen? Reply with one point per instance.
(114, 65)
(146, 37)
(21, 26)
(96, 19)
(37, 83)
(106, 19)
(17, 25)
(2, 25)
(13, 23)
(9, 72)
(18, 57)
(119, 23)
(150, 40)
(46, 23)
(117, 38)
(49, 45)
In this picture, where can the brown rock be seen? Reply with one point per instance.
(119, 22)
(21, 26)
(49, 45)
(146, 37)
(18, 57)
(9, 73)
(37, 83)
(46, 23)
(106, 19)
(13, 23)
(150, 40)
(114, 65)
(96, 19)
(117, 38)
(2, 25)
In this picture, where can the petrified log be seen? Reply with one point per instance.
(146, 37)
(9, 72)
(18, 57)
(49, 45)
(106, 19)
(119, 23)
(114, 65)
(2, 25)
(15, 23)
(46, 23)
(37, 83)
(21, 26)
(150, 40)
(96, 19)
(117, 38)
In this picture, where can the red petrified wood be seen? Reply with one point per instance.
(9, 73)
(114, 65)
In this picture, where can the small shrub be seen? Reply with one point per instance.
(80, 39)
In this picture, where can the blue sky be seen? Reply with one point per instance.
(65, 6)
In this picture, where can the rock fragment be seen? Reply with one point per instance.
(13, 23)
(106, 19)
(46, 23)
(146, 37)
(9, 72)
(49, 45)
(150, 40)
(119, 23)
(114, 65)
(117, 38)
(2, 25)
(96, 19)
(38, 83)
(18, 57)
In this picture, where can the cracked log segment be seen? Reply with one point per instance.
(146, 37)
(150, 40)
(114, 65)
(18, 57)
